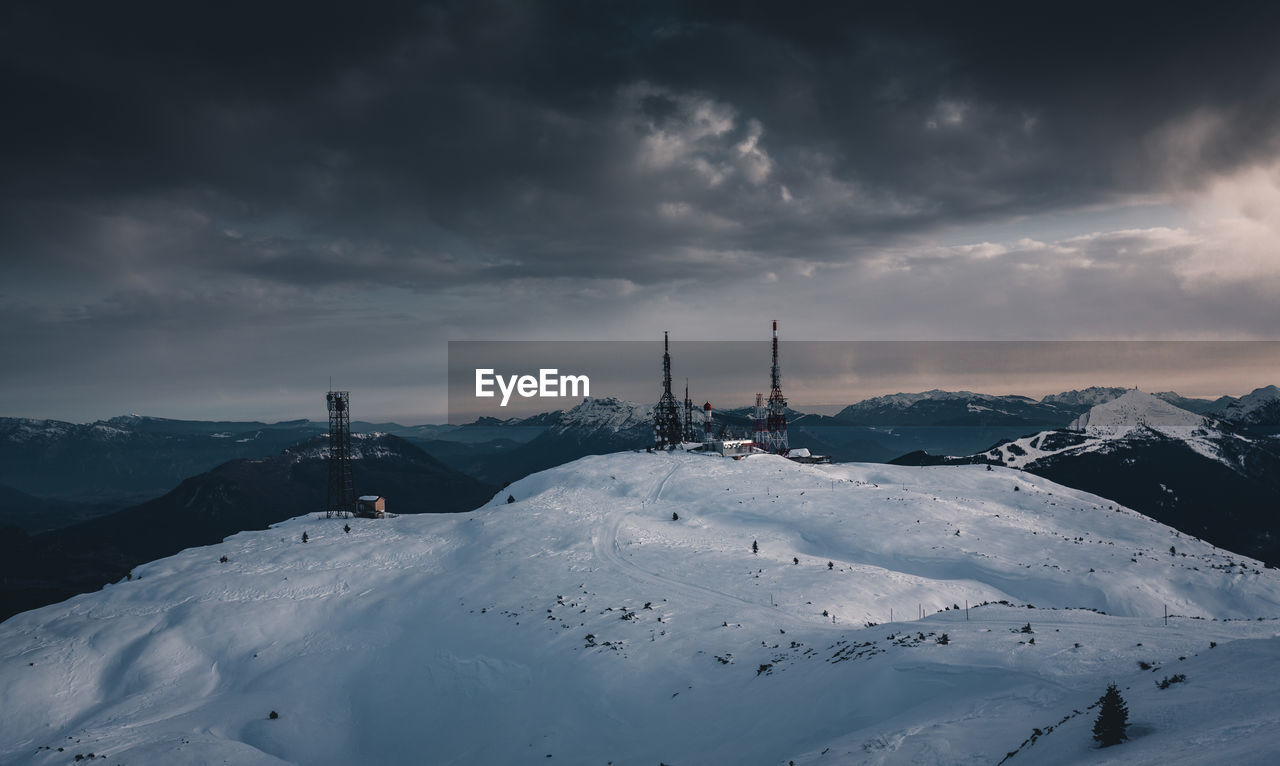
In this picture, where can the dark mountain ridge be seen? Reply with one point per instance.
(239, 495)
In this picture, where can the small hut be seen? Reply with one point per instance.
(371, 507)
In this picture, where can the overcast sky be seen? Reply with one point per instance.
(208, 213)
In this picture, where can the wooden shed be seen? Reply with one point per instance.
(371, 506)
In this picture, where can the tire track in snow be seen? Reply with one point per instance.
(656, 494)
(607, 548)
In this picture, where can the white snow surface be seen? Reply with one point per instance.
(1133, 409)
(1132, 414)
(585, 623)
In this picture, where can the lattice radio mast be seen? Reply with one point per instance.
(666, 416)
(776, 420)
(342, 495)
(690, 431)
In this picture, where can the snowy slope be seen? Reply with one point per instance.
(1135, 416)
(583, 624)
(1133, 409)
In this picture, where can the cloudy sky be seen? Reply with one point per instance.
(208, 213)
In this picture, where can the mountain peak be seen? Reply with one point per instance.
(1091, 396)
(1132, 409)
(608, 413)
(1258, 407)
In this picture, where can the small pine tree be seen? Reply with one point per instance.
(222, 560)
(795, 560)
(1173, 551)
(511, 499)
(346, 528)
(304, 537)
(1027, 628)
(755, 547)
(1113, 719)
(675, 516)
(831, 565)
(944, 639)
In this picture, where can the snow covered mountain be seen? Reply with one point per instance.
(615, 612)
(596, 426)
(1190, 471)
(953, 408)
(1261, 407)
(1137, 409)
(1084, 398)
(608, 415)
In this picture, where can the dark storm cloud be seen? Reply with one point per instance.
(439, 144)
(223, 195)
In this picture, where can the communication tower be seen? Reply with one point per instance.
(342, 496)
(776, 419)
(666, 415)
(690, 430)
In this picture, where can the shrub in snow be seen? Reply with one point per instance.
(511, 499)
(304, 537)
(346, 528)
(1168, 681)
(755, 547)
(222, 560)
(1113, 719)
(795, 560)
(1026, 628)
(831, 565)
(944, 639)
(675, 516)
(274, 715)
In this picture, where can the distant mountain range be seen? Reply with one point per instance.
(71, 495)
(1210, 477)
(54, 473)
(235, 496)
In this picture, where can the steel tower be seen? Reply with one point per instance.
(690, 432)
(342, 495)
(666, 416)
(776, 420)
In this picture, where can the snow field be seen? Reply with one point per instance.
(583, 623)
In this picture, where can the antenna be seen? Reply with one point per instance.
(775, 435)
(341, 499)
(666, 415)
